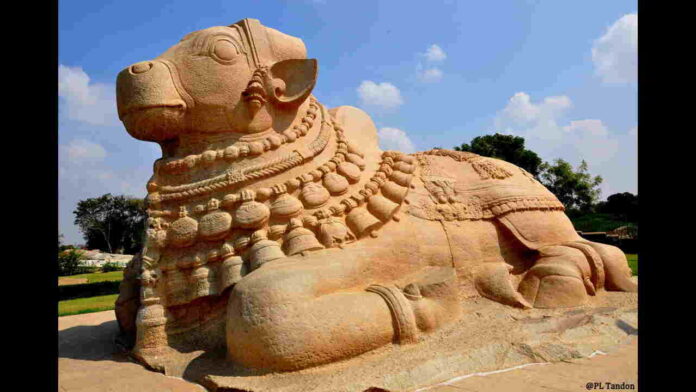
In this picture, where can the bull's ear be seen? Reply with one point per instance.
(293, 81)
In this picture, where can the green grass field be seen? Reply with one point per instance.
(100, 276)
(91, 304)
(633, 263)
(86, 305)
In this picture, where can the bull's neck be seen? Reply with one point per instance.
(203, 155)
(195, 149)
(229, 165)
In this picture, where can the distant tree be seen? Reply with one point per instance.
(112, 223)
(61, 245)
(506, 147)
(623, 205)
(577, 189)
(69, 262)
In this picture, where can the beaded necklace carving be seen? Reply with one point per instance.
(238, 232)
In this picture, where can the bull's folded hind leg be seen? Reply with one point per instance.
(561, 277)
(618, 274)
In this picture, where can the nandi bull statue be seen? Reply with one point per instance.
(281, 233)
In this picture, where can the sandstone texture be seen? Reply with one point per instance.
(553, 349)
(281, 239)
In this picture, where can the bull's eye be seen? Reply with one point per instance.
(224, 51)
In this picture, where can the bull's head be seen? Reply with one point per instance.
(239, 79)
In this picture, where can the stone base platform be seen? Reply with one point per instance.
(537, 349)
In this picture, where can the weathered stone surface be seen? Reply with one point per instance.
(493, 338)
(255, 248)
(89, 361)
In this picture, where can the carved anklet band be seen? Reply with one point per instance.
(402, 313)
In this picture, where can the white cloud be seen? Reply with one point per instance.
(592, 140)
(383, 95)
(395, 139)
(615, 54)
(547, 133)
(435, 53)
(83, 150)
(541, 119)
(87, 113)
(431, 75)
(91, 103)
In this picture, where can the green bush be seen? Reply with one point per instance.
(87, 269)
(87, 290)
(109, 267)
(598, 222)
(69, 262)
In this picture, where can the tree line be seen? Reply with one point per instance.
(576, 188)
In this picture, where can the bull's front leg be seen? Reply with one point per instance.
(319, 309)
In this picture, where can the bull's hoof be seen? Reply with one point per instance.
(493, 281)
(553, 286)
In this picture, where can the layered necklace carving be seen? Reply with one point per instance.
(195, 249)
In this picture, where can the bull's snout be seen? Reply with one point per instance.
(144, 85)
(148, 101)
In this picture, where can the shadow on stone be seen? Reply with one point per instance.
(626, 327)
(91, 343)
(213, 363)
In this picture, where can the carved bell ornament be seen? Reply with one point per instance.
(183, 231)
(401, 178)
(336, 184)
(299, 239)
(263, 250)
(286, 206)
(251, 214)
(394, 191)
(314, 195)
(333, 233)
(232, 271)
(350, 171)
(381, 207)
(362, 222)
(216, 223)
(356, 160)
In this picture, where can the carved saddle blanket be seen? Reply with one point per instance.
(460, 185)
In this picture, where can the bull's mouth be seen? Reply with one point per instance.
(254, 92)
(178, 105)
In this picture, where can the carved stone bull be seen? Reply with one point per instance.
(279, 231)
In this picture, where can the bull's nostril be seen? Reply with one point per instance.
(141, 67)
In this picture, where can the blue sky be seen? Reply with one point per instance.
(436, 73)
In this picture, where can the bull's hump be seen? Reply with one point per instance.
(359, 129)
